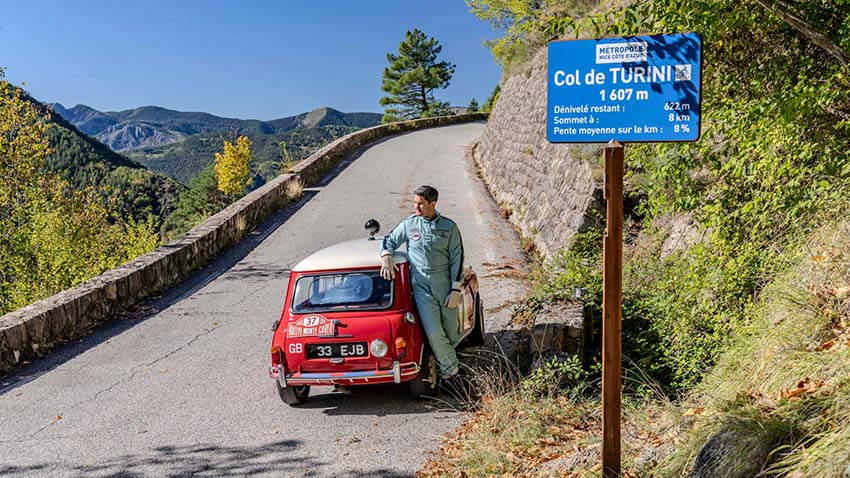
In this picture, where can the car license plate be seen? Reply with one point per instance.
(354, 349)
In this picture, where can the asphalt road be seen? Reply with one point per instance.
(180, 388)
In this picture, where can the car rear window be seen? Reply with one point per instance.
(342, 291)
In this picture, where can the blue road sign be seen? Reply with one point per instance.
(632, 89)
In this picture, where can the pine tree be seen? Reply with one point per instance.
(412, 77)
(473, 106)
(232, 167)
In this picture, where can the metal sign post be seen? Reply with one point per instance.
(635, 89)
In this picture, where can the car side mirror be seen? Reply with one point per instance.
(372, 227)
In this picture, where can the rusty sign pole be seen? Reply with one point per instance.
(612, 278)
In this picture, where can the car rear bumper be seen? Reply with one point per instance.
(400, 372)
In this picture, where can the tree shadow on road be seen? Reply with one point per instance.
(281, 458)
(276, 458)
(257, 272)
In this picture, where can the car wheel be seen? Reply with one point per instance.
(426, 383)
(293, 395)
(476, 335)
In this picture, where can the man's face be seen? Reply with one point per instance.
(424, 207)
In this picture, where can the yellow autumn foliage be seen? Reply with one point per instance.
(52, 237)
(232, 169)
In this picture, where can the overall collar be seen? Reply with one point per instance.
(436, 216)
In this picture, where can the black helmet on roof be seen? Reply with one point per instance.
(372, 227)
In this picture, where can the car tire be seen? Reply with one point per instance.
(426, 383)
(293, 395)
(476, 335)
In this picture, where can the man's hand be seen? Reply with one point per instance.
(453, 298)
(388, 268)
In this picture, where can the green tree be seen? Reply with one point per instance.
(232, 170)
(52, 237)
(413, 75)
(491, 101)
(521, 21)
(473, 106)
(200, 201)
(285, 157)
(23, 147)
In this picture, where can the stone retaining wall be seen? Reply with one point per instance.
(32, 330)
(549, 189)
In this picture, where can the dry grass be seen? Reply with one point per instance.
(782, 390)
(294, 189)
(785, 378)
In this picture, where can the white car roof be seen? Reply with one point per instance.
(346, 255)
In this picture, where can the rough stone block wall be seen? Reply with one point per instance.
(32, 330)
(549, 189)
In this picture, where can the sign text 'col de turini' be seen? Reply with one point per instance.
(632, 89)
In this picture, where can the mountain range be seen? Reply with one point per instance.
(151, 126)
(133, 191)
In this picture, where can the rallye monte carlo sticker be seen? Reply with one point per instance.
(309, 326)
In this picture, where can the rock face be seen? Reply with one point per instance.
(549, 189)
(732, 453)
(559, 330)
(127, 136)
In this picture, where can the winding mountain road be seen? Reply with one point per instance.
(180, 388)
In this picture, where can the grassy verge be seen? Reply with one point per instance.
(776, 404)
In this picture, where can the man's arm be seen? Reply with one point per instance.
(394, 239)
(456, 261)
(456, 254)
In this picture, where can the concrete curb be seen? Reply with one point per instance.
(33, 330)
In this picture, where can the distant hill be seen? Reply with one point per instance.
(151, 126)
(185, 159)
(134, 191)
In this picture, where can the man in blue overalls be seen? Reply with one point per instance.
(435, 255)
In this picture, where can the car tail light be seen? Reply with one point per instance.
(401, 347)
(277, 356)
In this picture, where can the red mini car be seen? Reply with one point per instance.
(343, 324)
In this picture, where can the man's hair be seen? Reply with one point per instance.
(427, 192)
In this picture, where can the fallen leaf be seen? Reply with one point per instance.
(58, 417)
(793, 393)
(825, 346)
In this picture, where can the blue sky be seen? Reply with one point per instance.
(242, 59)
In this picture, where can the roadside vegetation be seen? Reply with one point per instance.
(70, 209)
(52, 236)
(735, 334)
